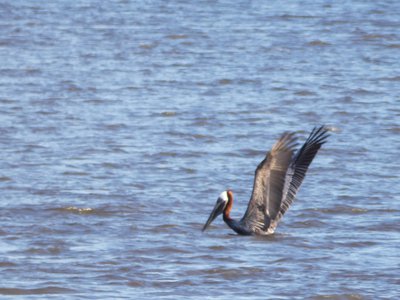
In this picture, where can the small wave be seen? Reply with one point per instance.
(7, 101)
(135, 283)
(38, 291)
(164, 283)
(4, 264)
(173, 250)
(177, 36)
(309, 223)
(305, 93)
(393, 46)
(98, 101)
(75, 173)
(395, 78)
(172, 154)
(77, 210)
(250, 153)
(280, 89)
(109, 165)
(359, 244)
(288, 17)
(318, 43)
(374, 36)
(188, 170)
(385, 227)
(393, 129)
(5, 178)
(218, 247)
(45, 251)
(231, 273)
(200, 136)
(362, 92)
(199, 122)
(338, 297)
(167, 154)
(148, 46)
(225, 81)
(169, 113)
(163, 228)
(343, 210)
(115, 126)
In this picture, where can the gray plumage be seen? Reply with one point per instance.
(277, 180)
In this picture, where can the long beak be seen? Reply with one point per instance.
(218, 209)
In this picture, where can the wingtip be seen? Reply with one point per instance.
(319, 135)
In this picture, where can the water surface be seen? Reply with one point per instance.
(121, 123)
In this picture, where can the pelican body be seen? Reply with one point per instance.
(277, 180)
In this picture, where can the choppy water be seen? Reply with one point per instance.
(122, 121)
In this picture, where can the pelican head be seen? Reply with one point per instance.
(219, 207)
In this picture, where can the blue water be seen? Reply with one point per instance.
(121, 122)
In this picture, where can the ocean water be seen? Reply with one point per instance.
(122, 121)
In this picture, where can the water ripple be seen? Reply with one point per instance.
(122, 121)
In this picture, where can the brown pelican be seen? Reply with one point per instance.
(277, 180)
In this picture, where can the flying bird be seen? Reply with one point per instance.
(277, 180)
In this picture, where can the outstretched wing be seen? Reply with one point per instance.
(298, 167)
(269, 181)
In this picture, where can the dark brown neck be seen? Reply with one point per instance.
(228, 206)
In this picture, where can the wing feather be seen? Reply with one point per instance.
(269, 182)
(299, 166)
